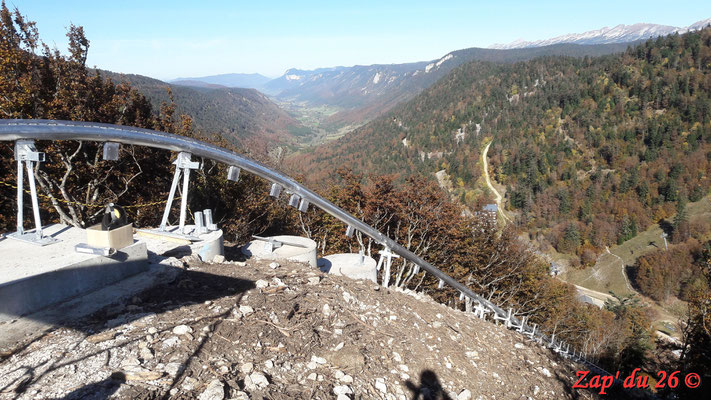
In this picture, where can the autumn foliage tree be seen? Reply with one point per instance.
(696, 353)
(37, 82)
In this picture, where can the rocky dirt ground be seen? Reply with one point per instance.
(253, 331)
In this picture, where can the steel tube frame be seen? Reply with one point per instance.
(18, 129)
(20, 195)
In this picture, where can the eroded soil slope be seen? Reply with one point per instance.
(239, 330)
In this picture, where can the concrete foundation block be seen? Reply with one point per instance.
(307, 254)
(33, 278)
(352, 265)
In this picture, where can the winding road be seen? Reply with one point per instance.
(498, 199)
(597, 297)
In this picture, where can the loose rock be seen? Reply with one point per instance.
(182, 330)
(256, 380)
(215, 391)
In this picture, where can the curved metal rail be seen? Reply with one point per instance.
(18, 129)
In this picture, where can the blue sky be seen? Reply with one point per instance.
(170, 39)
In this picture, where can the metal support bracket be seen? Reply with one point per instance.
(200, 227)
(531, 333)
(294, 200)
(275, 190)
(26, 155)
(209, 223)
(506, 320)
(233, 173)
(386, 257)
(480, 311)
(304, 205)
(350, 231)
(111, 151)
(521, 325)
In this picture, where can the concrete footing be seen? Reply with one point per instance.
(33, 277)
(352, 265)
(207, 246)
(260, 249)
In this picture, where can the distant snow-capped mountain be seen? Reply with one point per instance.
(617, 34)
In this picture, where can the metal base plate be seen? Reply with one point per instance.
(30, 237)
(175, 234)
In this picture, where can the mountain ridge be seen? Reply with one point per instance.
(618, 34)
(362, 93)
(235, 80)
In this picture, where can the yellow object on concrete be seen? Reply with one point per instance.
(115, 238)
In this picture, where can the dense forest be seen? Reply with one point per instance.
(36, 82)
(244, 118)
(593, 149)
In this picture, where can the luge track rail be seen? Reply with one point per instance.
(19, 129)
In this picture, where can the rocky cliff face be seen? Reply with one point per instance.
(251, 330)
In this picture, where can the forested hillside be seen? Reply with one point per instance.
(363, 92)
(243, 117)
(595, 148)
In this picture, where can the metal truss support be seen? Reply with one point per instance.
(27, 155)
(182, 164)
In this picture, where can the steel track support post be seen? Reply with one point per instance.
(111, 151)
(522, 325)
(233, 173)
(388, 255)
(27, 155)
(275, 190)
(209, 223)
(200, 227)
(20, 183)
(35, 203)
(349, 233)
(182, 164)
(532, 333)
(171, 195)
(184, 200)
(304, 205)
